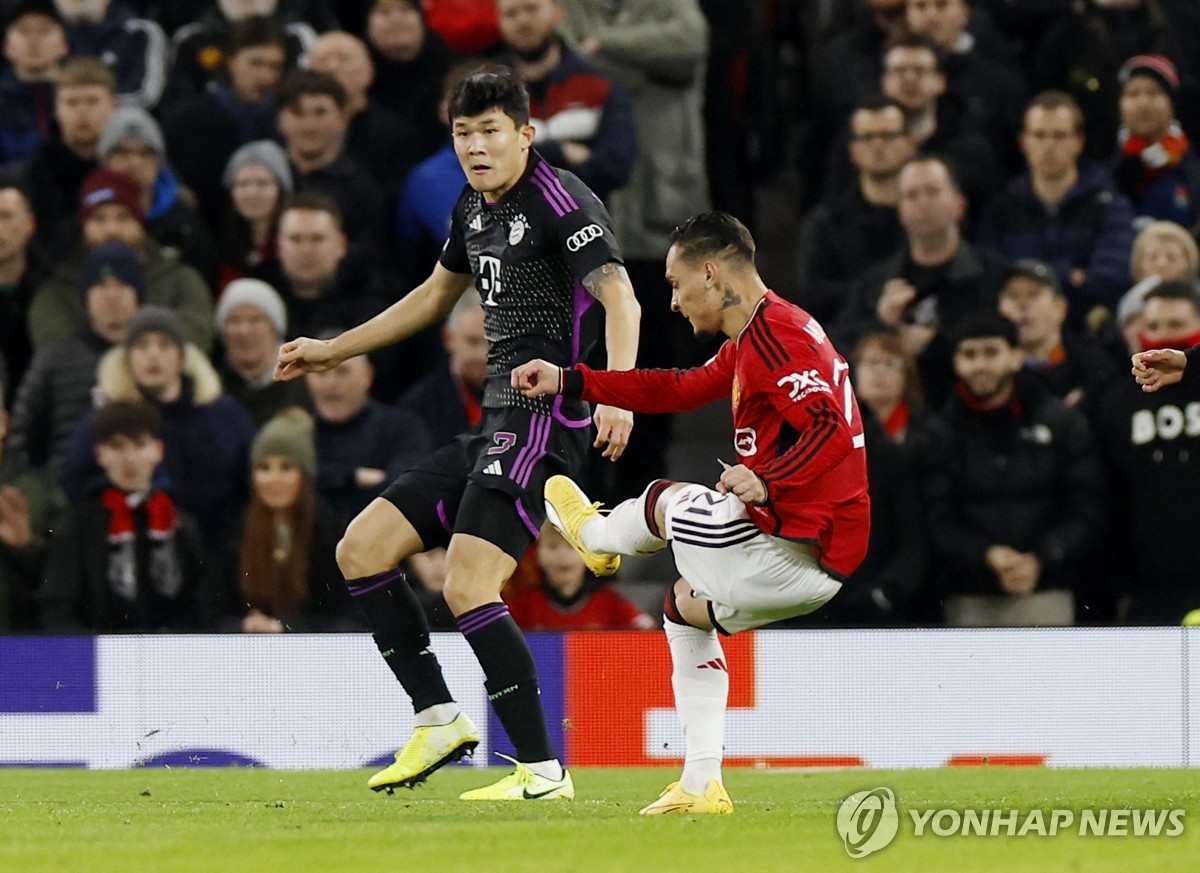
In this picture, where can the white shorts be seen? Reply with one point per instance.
(748, 577)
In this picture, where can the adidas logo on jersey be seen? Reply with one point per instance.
(494, 469)
(477, 223)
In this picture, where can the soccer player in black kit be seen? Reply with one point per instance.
(539, 247)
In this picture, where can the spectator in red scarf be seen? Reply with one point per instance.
(126, 559)
(1156, 167)
(887, 381)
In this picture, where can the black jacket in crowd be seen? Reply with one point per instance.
(1027, 475)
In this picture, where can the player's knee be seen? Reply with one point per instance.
(658, 496)
(680, 606)
(353, 560)
(464, 592)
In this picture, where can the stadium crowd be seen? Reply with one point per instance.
(998, 203)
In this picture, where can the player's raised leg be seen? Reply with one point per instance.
(632, 528)
(369, 554)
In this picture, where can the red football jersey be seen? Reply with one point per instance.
(796, 425)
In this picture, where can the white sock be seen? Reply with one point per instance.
(439, 713)
(623, 531)
(551, 769)
(701, 682)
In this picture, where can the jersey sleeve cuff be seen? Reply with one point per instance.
(572, 384)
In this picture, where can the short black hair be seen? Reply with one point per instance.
(946, 161)
(984, 324)
(712, 234)
(909, 40)
(304, 83)
(314, 201)
(1179, 289)
(489, 87)
(255, 31)
(128, 419)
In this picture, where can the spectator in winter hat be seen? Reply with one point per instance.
(1156, 167)
(110, 208)
(132, 143)
(251, 322)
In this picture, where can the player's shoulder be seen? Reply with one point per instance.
(560, 194)
(786, 319)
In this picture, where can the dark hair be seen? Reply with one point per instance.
(984, 324)
(1052, 100)
(257, 30)
(713, 234)
(1179, 289)
(487, 88)
(305, 83)
(909, 40)
(313, 201)
(878, 103)
(128, 419)
(946, 161)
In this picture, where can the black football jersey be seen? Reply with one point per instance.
(529, 253)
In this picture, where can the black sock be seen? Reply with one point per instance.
(402, 635)
(511, 678)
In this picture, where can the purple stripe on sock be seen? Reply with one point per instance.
(555, 184)
(359, 587)
(443, 518)
(481, 617)
(554, 202)
(533, 528)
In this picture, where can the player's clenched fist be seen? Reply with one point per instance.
(303, 355)
(536, 378)
(1158, 367)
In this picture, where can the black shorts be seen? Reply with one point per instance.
(489, 483)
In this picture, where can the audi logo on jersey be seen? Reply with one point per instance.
(583, 236)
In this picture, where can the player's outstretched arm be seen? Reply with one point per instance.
(428, 302)
(609, 283)
(1158, 367)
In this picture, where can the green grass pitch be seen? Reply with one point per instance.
(212, 821)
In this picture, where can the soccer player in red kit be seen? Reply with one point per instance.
(784, 526)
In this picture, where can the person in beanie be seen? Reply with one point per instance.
(126, 558)
(258, 179)
(251, 322)
(58, 388)
(110, 208)
(1155, 166)
(132, 143)
(287, 573)
(206, 434)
